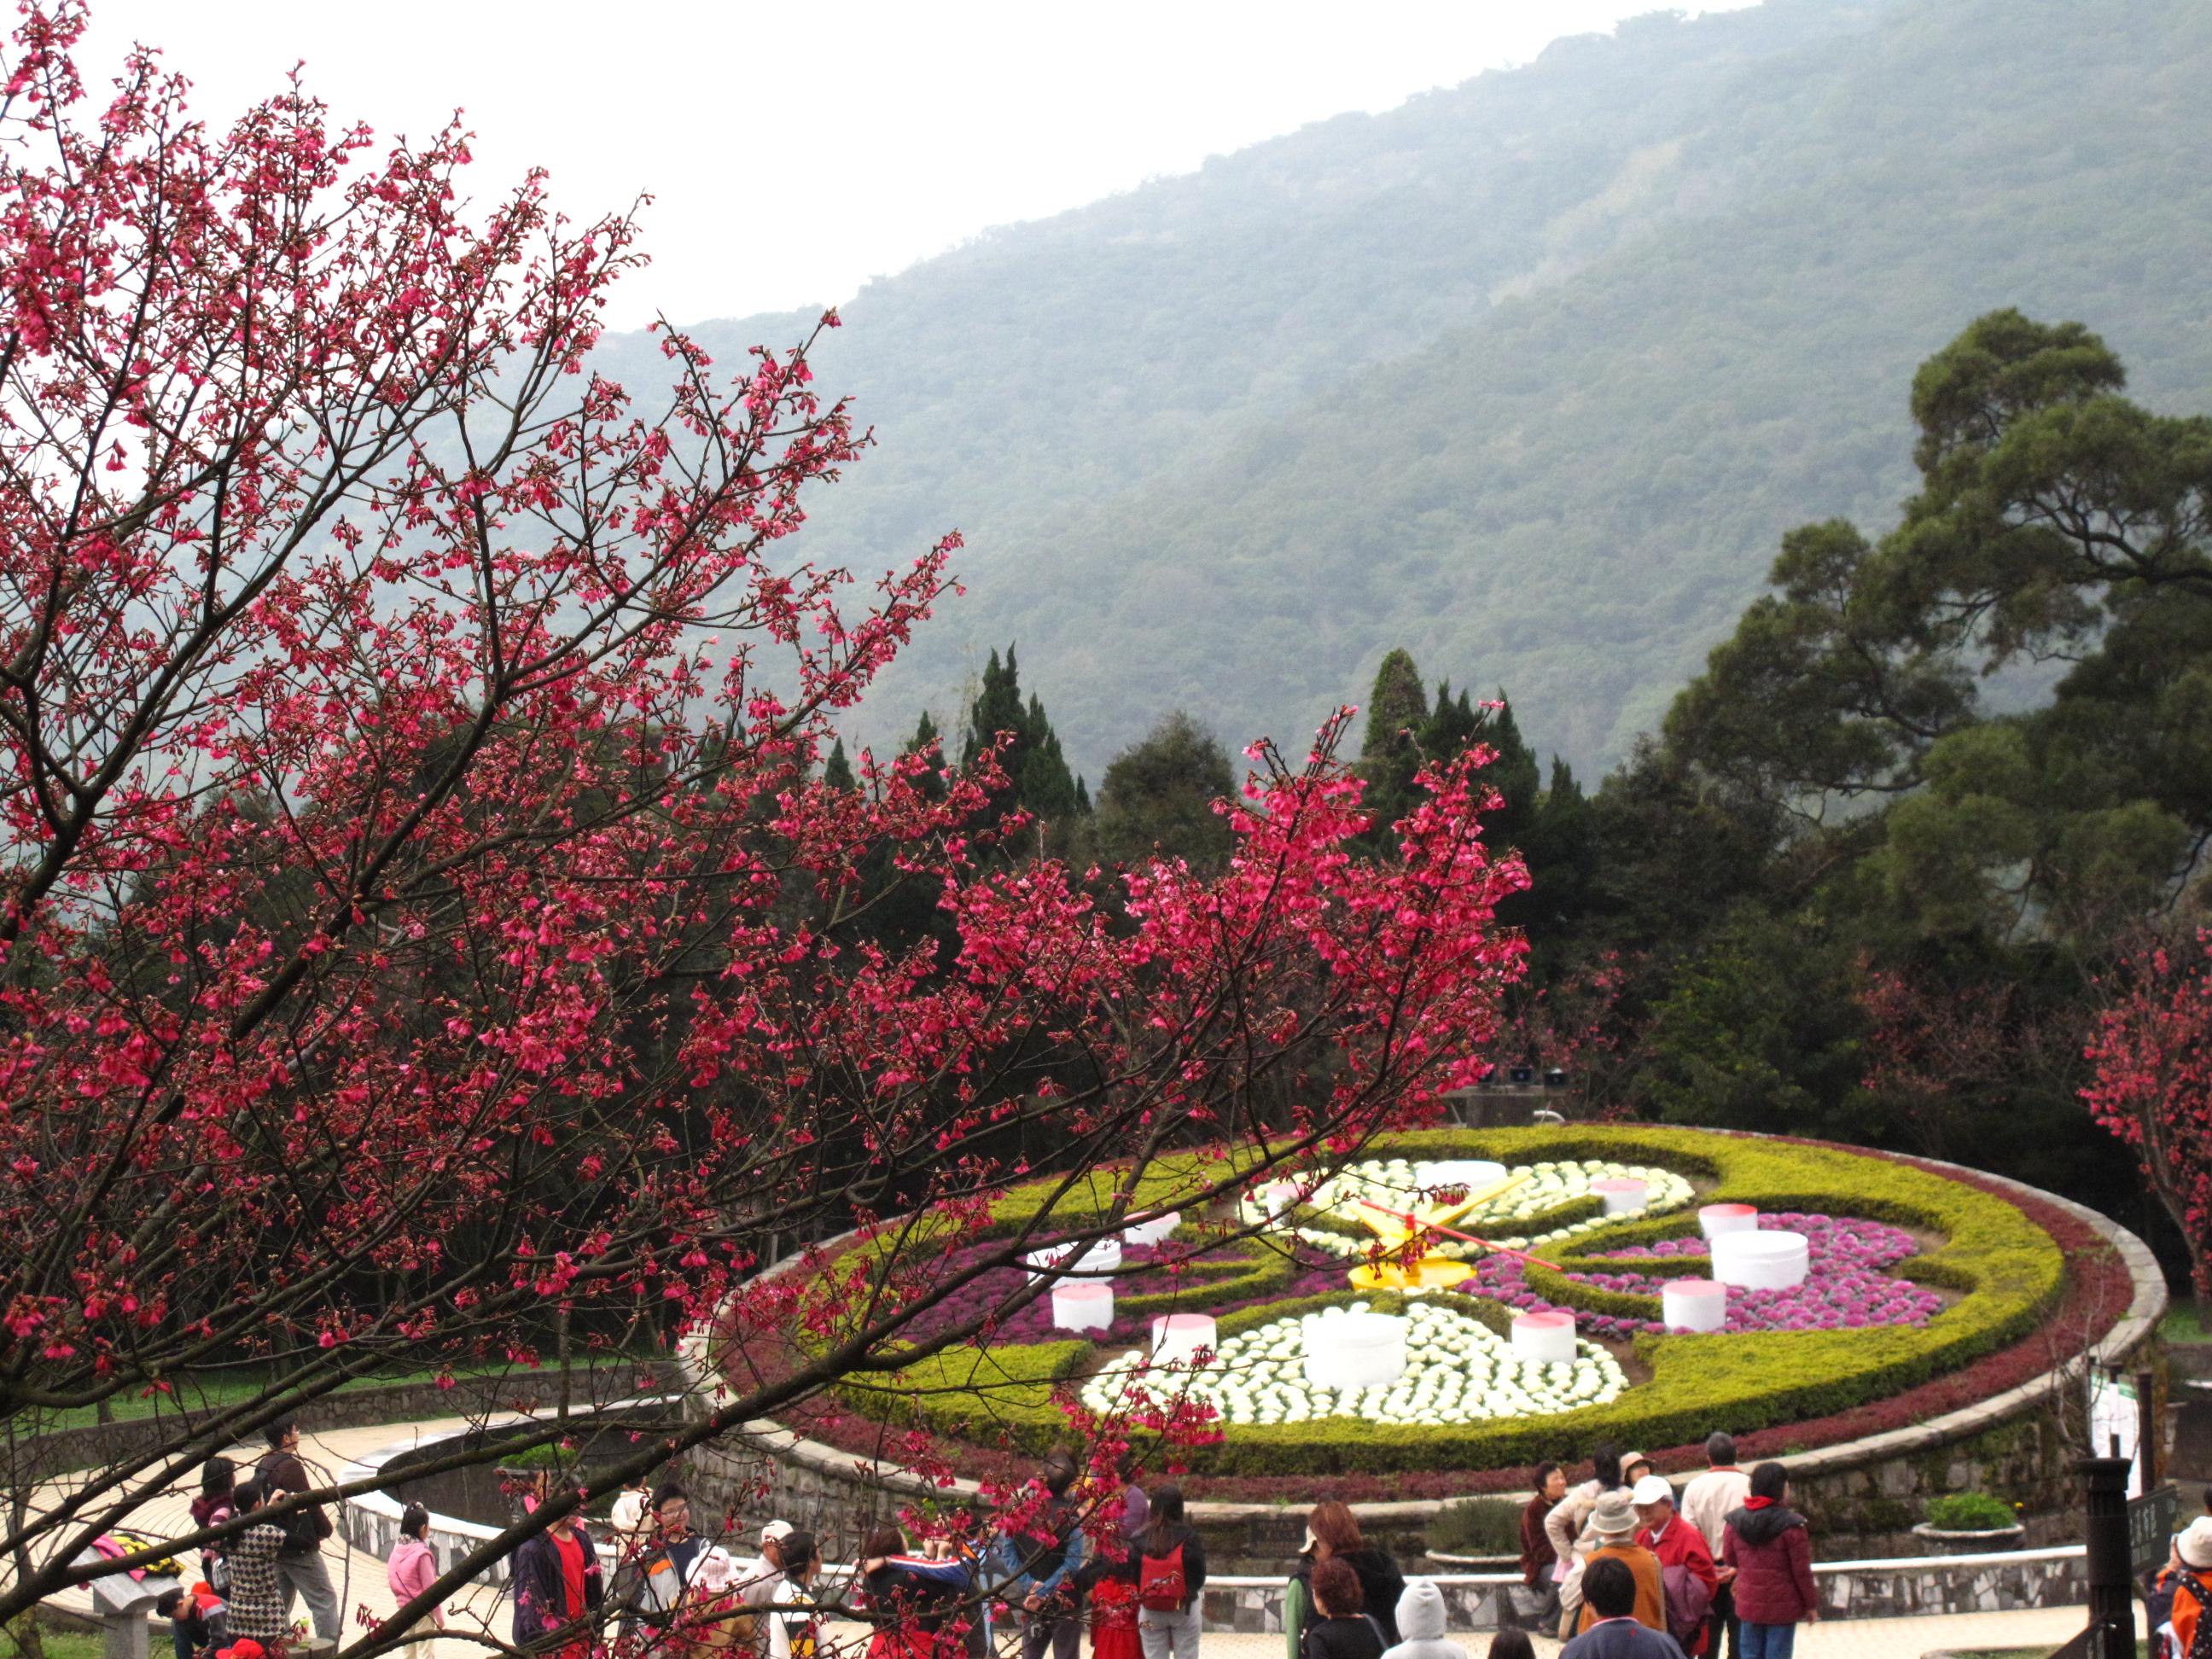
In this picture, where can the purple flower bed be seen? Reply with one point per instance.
(1845, 1290)
(1313, 1275)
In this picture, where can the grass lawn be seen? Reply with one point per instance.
(229, 1388)
(58, 1644)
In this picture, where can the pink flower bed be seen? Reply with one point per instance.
(1845, 1290)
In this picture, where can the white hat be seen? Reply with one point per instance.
(2196, 1544)
(715, 1569)
(775, 1532)
(1651, 1489)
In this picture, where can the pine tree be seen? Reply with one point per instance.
(837, 771)
(1390, 752)
(925, 741)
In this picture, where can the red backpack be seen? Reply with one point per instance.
(1159, 1582)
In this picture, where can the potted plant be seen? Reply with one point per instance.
(1480, 1532)
(1969, 1523)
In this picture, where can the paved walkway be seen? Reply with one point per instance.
(364, 1594)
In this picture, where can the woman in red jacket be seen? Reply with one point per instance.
(1768, 1544)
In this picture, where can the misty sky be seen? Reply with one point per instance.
(794, 151)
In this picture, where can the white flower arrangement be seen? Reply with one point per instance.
(1398, 1183)
(1457, 1370)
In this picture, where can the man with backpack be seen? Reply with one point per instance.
(1171, 1574)
(300, 1568)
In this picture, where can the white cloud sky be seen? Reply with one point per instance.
(795, 150)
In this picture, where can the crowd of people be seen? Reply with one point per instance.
(1622, 1570)
(1627, 1572)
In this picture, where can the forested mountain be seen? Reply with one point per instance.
(1529, 376)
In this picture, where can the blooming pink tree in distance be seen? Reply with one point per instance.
(424, 927)
(2152, 1052)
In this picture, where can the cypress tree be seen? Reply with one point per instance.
(837, 771)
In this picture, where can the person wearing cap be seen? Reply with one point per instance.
(1686, 1574)
(1615, 1632)
(1614, 1522)
(760, 1578)
(2191, 1576)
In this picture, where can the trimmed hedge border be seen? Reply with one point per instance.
(2009, 1269)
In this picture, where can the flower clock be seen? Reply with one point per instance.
(1473, 1300)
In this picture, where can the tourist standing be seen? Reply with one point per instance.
(762, 1577)
(1613, 1524)
(1112, 1594)
(791, 1626)
(909, 1597)
(653, 1583)
(1706, 1504)
(1771, 1548)
(1686, 1574)
(630, 1513)
(1340, 1627)
(299, 1566)
(255, 1606)
(1171, 1575)
(1332, 1534)
(1136, 1507)
(556, 1581)
(1051, 1555)
(1540, 1562)
(410, 1570)
(1566, 1526)
(1420, 1615)
(1615, 1633)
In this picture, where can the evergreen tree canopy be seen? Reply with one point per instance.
(1158, 795)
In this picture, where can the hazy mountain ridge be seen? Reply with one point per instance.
(1527, 376)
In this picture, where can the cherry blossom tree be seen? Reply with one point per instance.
(2152, 1087)
(426, 932)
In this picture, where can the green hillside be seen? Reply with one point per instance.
(1529, 376)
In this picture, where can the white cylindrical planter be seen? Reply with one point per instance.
(1718, 1218)
(1623, 1194)
(1177, 1338)
(1543, 1339)
(1104, 1256)
(1039, 1262)
(1476, 1174)
(1083, 1305)
(1693, 1304)
(1761, 1260)
(1152, 1229)
(1366, 1349)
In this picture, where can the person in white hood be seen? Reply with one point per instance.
(1421, 1625)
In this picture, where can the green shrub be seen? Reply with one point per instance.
(1479, 1526)
(1970, 1511)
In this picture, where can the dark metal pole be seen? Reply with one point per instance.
(2147, 1444)
(2112, 1581)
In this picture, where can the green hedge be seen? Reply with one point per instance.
(2008, 1270)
